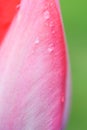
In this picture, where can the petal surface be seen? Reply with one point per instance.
(33, 69)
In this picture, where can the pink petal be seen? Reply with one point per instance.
(33, 69)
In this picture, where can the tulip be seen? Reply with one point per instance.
(34, 73)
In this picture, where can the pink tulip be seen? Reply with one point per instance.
(33, 66)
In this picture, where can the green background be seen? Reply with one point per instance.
(74, 14)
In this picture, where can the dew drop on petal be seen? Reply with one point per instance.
(51, 48)
(51, 24)
(62, 99)
(37, 40)
(46, 14)
(53, 31)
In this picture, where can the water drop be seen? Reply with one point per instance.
(53, 31)
(62, 99)
(37, 40)
(46, 14)
(50, 48)
(51, 24)
(51, 3)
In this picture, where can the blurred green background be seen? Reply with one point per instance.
(75, 22)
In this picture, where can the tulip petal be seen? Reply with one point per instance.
(33, 69)
(8, 8)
